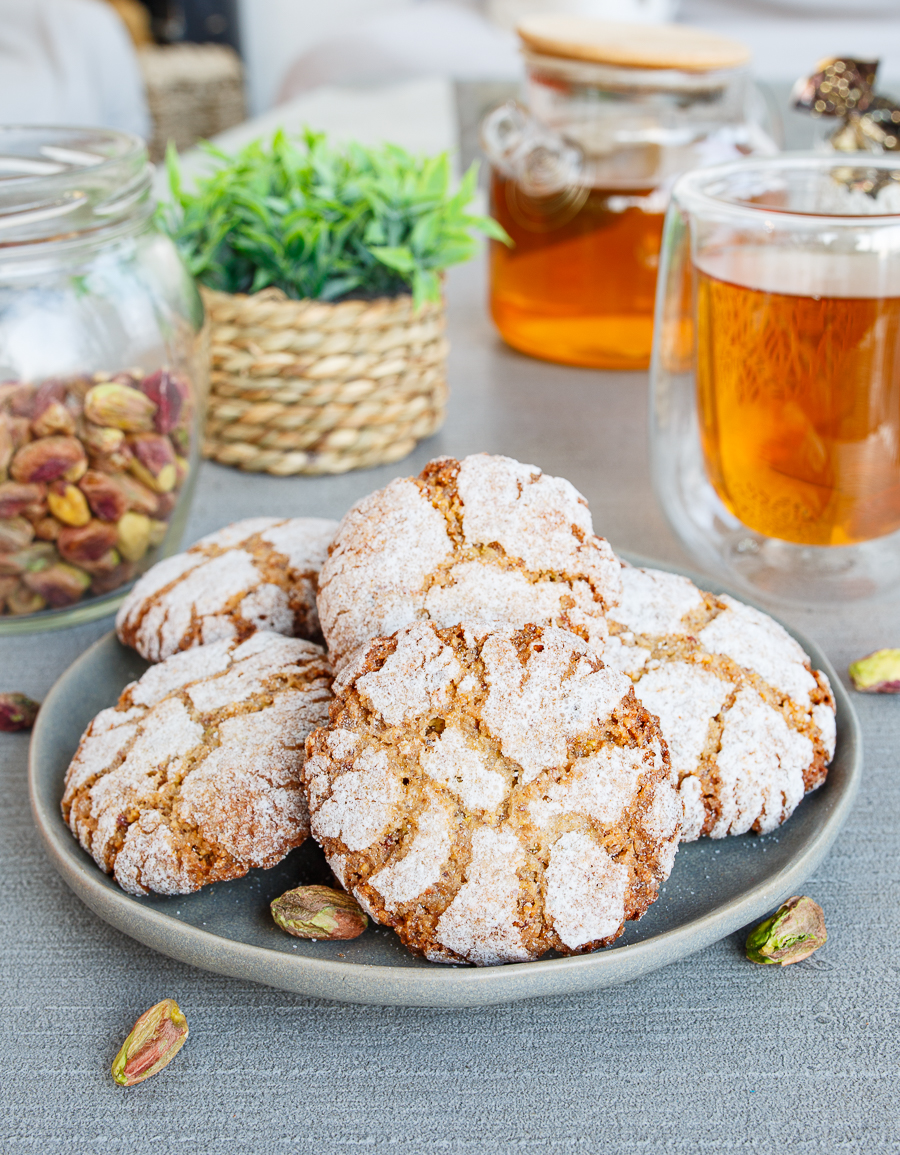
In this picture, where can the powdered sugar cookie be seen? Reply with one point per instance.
(483, 539)
(194, 776)
(750, 725)
(257, 574)
(492, 792)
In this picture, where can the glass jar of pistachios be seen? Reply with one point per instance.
(102, 376)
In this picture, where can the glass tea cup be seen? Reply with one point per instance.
(775, 378)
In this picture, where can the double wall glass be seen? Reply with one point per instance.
(775, 416)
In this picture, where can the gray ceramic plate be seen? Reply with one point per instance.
(715, 887)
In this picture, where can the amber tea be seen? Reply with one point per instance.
(798, 380)
(578, 287)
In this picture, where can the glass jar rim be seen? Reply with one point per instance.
(700, 190)
(60, 182)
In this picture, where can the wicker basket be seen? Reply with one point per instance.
(312, 387)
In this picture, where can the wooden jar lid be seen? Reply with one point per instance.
(631, 45)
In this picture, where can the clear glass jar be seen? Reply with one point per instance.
(580, 181)
(102, 376)
(775, 383)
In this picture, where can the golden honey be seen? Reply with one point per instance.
(799, 395)
(578, 286)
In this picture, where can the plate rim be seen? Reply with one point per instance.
(442, 986)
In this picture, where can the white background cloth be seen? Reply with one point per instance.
(292, 45)
(68, 62)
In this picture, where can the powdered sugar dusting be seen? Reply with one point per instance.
(267, 607)
(689, 694)
(217, 628)
(98, 749)
(258, 659)
(760, 767)
(363, 803)
(685, 697)
(393, 560)
(455, 764)
(486, 593)
(304, 541)
(195, 799)
(480, 923)
(529, 514)
(537, 708)
(258, 763)
(338, 864)
(756, 641)
(823, 716)
(167, 735)
(416, 679)
(149, 859)
(236, 533)
(439, 785)
(662, 822)
(342, 743)
(222, 591)
(585, 890)
(374, 579)
(654, 602)
(157, 578)
(627, 659)
(420, 867)
(180, 670)
(600, 786)
(690, 792)
(205, 591)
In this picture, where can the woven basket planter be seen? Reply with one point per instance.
(311, 387)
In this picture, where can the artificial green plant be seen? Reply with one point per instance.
(324, 221)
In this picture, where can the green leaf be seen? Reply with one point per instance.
(323, 221)
(399, 257)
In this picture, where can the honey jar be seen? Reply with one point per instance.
(581, 173)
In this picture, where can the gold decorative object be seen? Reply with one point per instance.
(844, 88)
(313, 387)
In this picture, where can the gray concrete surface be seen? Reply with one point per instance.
(710, 1055)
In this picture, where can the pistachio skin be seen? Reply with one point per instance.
(17, 712)
(59, 585)
(792, 934)
(16, 497)
(49, 459)
(121, 407)
(154, 462)
(22, 600)
(104, 495)
(154, 1041)
(133, 535)
(86, 543)
(84, 462)
(68, 504)
(54, 418)
(319, 912)
(169, 395)
(877, 673)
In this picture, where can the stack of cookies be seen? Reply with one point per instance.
(522, 727)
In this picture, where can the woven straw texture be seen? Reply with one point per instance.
(312, 387)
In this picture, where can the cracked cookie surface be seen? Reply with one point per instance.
(257, 574)
(195, 775)
(492, 793)
(749, 724)
(486, 538)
